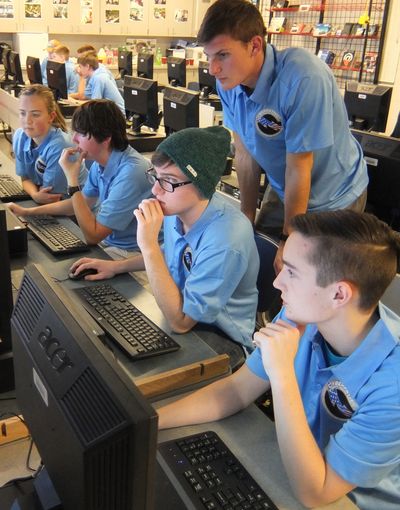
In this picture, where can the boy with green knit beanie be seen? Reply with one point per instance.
(207, 269)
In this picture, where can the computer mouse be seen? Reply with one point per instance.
(82, 274)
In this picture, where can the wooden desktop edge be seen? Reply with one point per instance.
(182, 377)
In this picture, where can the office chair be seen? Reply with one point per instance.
(391, 297)
(269, 301)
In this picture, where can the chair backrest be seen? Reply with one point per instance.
(267, 294)
(391, 297)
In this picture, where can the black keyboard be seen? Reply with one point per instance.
(137, 335)
(211, 476)
(11, 190)
(57, 238)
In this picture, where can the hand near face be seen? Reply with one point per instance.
(71, 161)
(149, 217)
(278, 343)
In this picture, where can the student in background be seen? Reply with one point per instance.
(51, 45)
(207, 269)
(331, 358)
(116, 183)
(101, 84)
(38, 145)
(61, 54)
(83, 87)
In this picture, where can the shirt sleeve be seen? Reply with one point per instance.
(308, 115)
(20, 168)
(116, 211)
(214, 276)
(367, 448)
(97, 84)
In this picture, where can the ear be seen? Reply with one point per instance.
(106, 141)
(342, 293)
(52, 116)
(256, 45)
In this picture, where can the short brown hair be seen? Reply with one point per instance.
(85, 48)
(351, 246)
(239, 19)
(62, 50)
(89, 59)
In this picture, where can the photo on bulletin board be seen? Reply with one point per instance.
(181, 15)
(112, 2)
(60, 9)
(86, 12)
(160, 13)
(160, 2)
(136, 12)
(33, 10)
(112, 16)
(6, 9)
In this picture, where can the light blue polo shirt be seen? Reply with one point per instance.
(103, 86)
(40, 163)
(88, 85)
(297, 107)
(120, 187)
(353, 409)
(72, 77)
(215, 265)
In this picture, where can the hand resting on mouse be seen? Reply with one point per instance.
(103, 269)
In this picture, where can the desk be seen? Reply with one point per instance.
(257, 449)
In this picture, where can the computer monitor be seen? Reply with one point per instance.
(145, 64)
(181, 109)
(33, 70)
(367, 105)
(124, 63)
(6, 307)
(141, 103)
(5, 60)
(207, 82)
(57, 79)
(94, 430)
(176, 68)
(15, 69)
(382, 155)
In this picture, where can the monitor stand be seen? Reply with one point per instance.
(145, 141)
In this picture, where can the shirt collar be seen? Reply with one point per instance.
(112, 166)
(357, 368)
(214, 208)
(266, 77)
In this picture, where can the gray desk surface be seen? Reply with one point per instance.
(249, 434)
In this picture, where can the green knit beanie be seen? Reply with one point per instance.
(200, 153)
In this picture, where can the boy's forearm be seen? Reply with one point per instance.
(165, 290)
(308, 473)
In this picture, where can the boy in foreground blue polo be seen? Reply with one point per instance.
(331, 358)
(207, 270)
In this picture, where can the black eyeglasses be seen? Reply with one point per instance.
(164, 184)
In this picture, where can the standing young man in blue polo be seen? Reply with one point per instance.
(288, 119)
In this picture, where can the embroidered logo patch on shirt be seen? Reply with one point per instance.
(40, 166)
(338, 400)
(268, 123)
(187, 257)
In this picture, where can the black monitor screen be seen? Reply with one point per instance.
(145, 65)
(6, 299)
(181, 109)
(125, 63)
(15, 68)
(382, 155)
(5, 60)
(141, 102)
(207, 82)
(33, 70)
(94, 430)
(367, 105)
(57, 79)
(176, 68)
